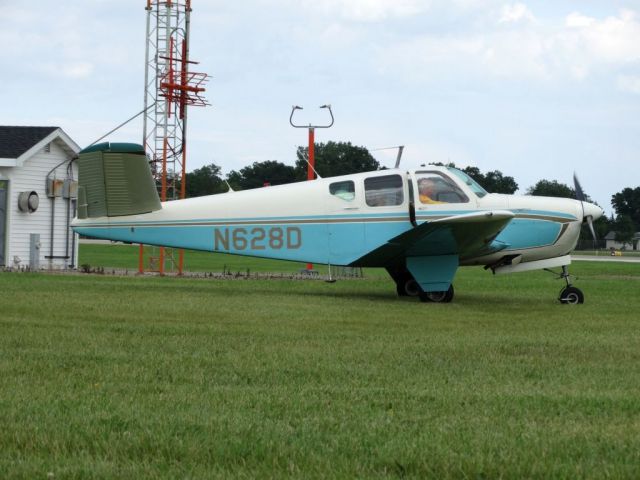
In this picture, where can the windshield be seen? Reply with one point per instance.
(475, 186)
(434, 187)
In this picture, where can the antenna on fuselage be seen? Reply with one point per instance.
(398, 158)
(230, 189)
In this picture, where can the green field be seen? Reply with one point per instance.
(132, 377)
(121, 256)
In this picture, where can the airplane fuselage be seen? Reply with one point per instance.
(339, 220)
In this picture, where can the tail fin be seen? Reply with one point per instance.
(114, 180)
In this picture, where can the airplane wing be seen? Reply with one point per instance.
(464, 235)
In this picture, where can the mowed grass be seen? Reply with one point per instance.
(132, 377)
(122, 256)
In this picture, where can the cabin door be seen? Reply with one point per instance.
(4, 189)
(436, 195)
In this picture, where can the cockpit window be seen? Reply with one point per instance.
(384, 191)
(475, 186)
(345, 190)
(434, 188)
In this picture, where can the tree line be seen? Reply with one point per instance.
(343, 158)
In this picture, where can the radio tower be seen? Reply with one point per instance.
(169, 88)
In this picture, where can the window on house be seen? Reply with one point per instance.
(47, 148)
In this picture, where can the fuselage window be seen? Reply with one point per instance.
(344, 190)
(434, 188)
(384, 191)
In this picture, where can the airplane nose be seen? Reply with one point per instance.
(591, 210)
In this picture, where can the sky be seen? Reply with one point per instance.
(537, 89)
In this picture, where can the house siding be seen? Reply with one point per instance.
(633, 245)
(32, 176)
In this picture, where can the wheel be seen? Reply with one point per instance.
(571, 295)
(437, 297)
(407, 287)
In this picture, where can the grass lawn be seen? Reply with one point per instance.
(130, 377)
(126, 256)
(607, 253)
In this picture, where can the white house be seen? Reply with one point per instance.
(37, 198)
(612, 243)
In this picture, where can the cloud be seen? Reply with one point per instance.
(629, 83)
(530, 49)
(612, 40)
(78, 70)
(577, 20)
(515, 13)
(370, 10)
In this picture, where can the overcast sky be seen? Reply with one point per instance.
(536, 89)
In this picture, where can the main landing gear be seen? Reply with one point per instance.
(406, 286)
(570, 294)
(437, 297)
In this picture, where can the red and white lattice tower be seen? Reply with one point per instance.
(169, 88)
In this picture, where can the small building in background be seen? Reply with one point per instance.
(38, 187)
(612, 243)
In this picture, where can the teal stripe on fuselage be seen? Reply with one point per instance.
(335, 239)
(338, 244)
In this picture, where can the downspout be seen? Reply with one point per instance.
(53, 208)
(53, 217)
(66, 242)
(71, 202)
(73, 240)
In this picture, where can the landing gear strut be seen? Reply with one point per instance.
(570, 294)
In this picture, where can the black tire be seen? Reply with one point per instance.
(571, 296)
(408, 287)
(438, 297)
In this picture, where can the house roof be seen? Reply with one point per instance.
(17, 144)
(612, 235)
(14, 141)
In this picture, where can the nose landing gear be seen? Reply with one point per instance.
(570, 294)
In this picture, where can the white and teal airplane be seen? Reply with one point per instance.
(375, 219)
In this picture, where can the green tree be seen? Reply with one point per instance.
(602, 226)
(258, 174)
(551, 188)
(205, 181)
(494, 181)
(335, 158)
(625, 229)
(627, 202)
